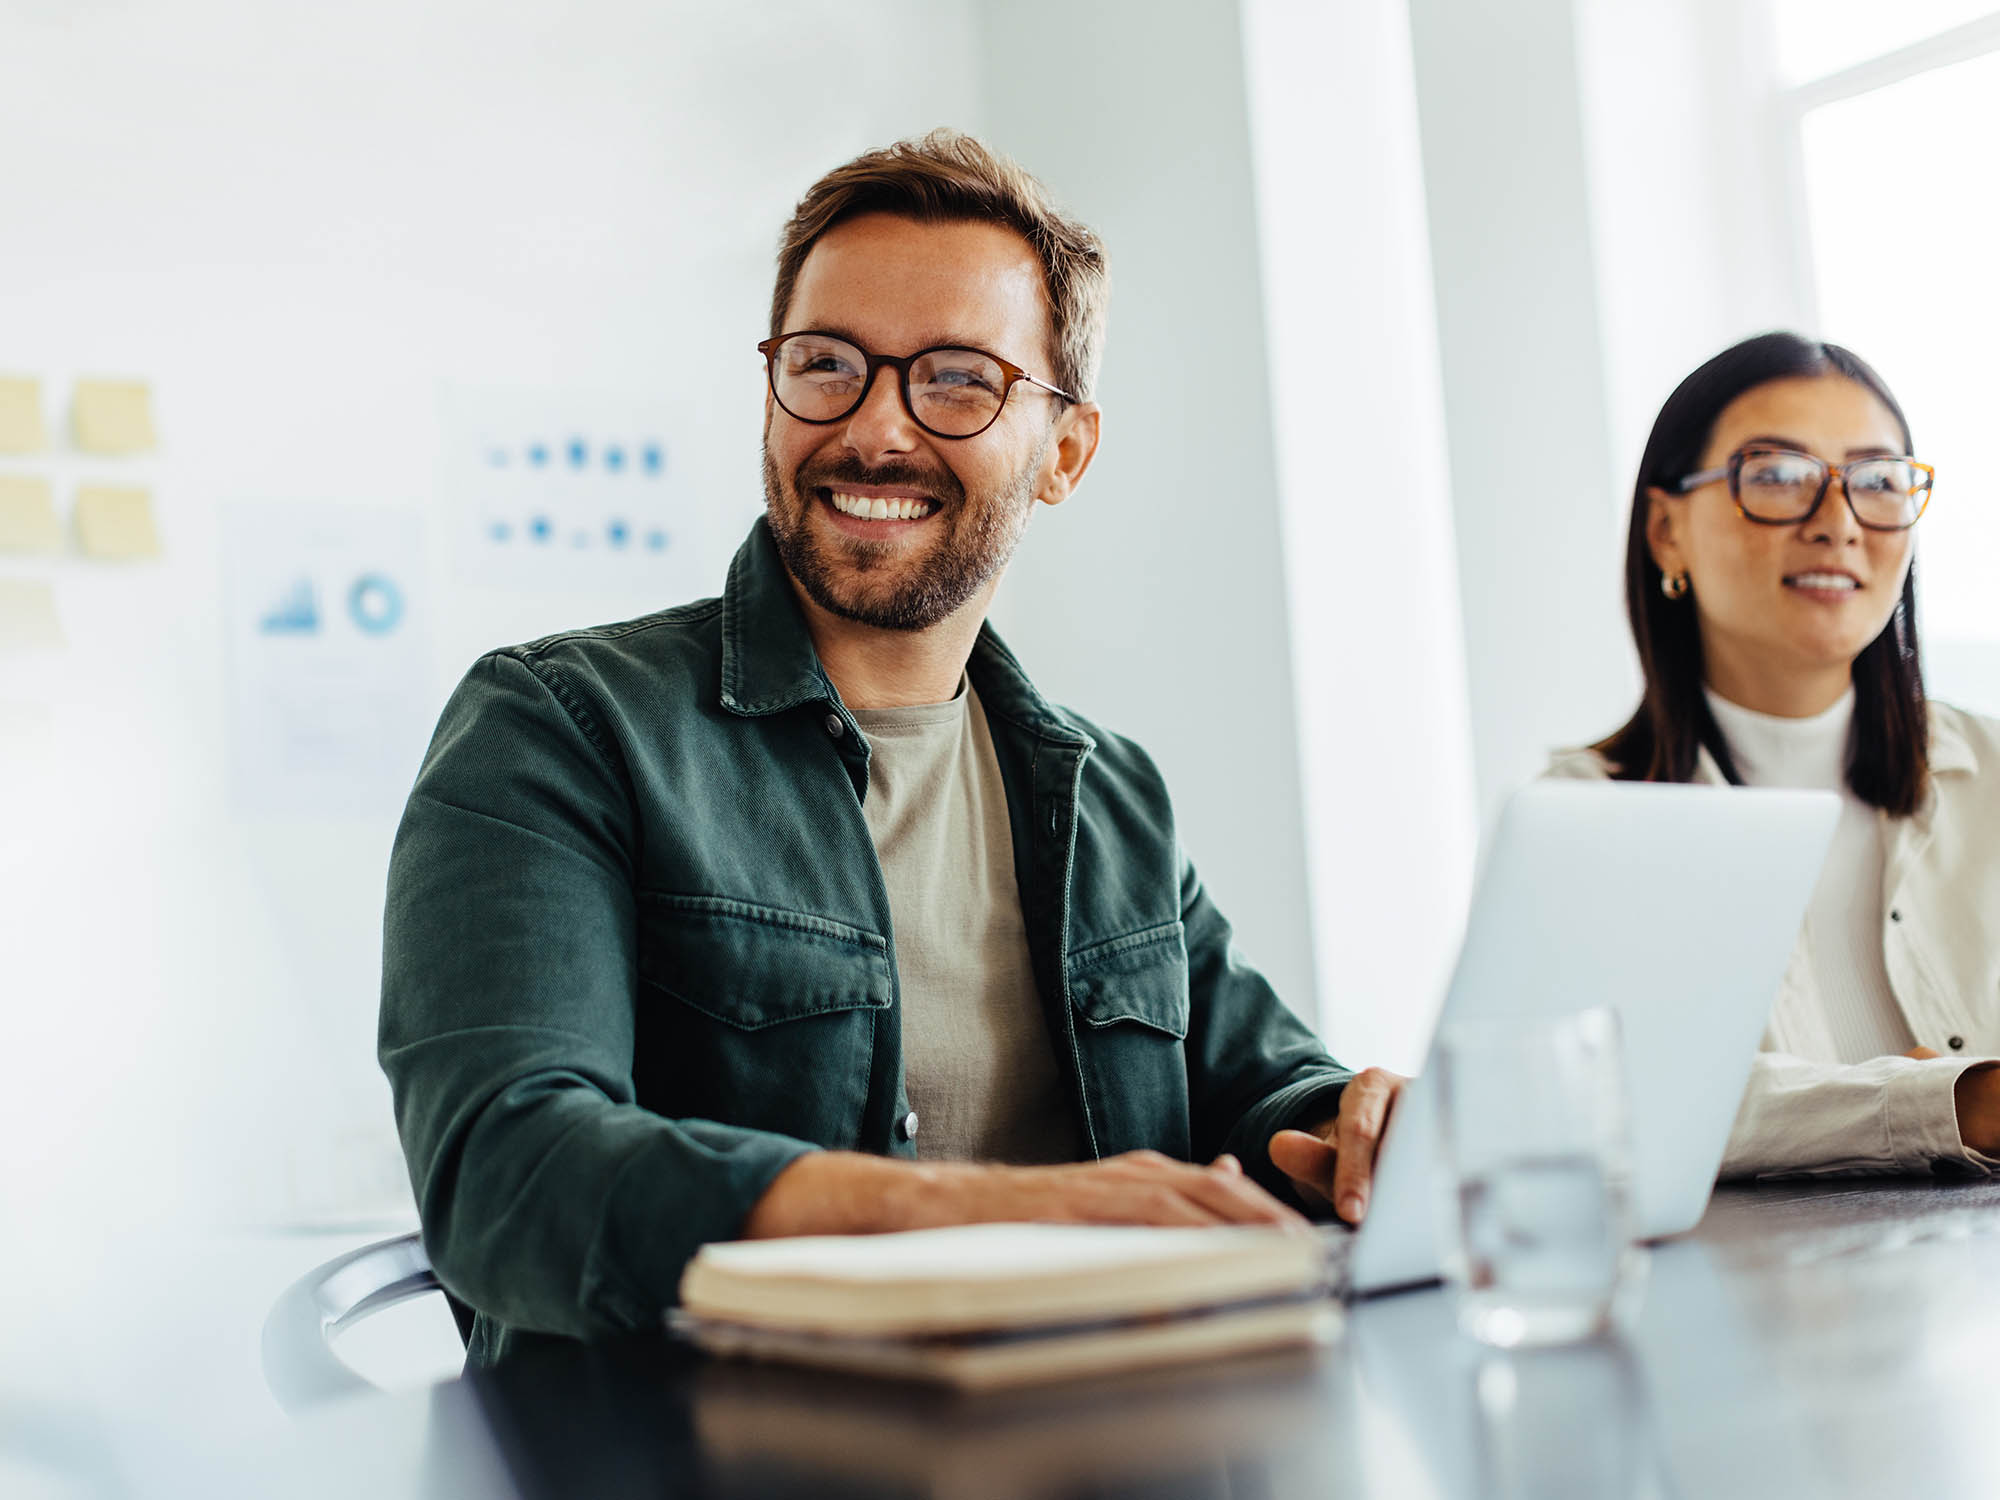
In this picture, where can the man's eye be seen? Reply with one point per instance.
(961, 380)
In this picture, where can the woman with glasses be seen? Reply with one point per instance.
(1769, 584)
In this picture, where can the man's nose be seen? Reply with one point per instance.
(880, 426)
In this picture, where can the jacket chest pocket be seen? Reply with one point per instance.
(758, 1017)
(1130, 995)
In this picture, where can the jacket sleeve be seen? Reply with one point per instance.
(1889, 1114)
(1254, 1067)
(550, 1200)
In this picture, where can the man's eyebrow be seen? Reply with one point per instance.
(929, 339)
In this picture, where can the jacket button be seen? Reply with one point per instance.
(1957, 1044)
(1895, 915)
(834, 727)
(907, 1126)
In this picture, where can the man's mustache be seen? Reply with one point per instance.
(941, 485)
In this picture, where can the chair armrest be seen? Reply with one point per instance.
(300, 1367)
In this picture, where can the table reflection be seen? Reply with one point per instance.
(1573, 1421)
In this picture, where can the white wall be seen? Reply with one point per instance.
(1535, 487)
(1691, 197)
(1372, 587)
(1154, 601)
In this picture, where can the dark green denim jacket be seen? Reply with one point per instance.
(637, 954)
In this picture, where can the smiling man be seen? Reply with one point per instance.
(800, 911)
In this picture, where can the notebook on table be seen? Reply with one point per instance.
(983, 1306)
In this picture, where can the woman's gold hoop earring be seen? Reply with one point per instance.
(1674, 585)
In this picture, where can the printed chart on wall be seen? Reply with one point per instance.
(560, 490)
(331, 701)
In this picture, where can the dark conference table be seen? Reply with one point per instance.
(1825, 1339)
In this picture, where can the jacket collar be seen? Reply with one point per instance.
(768, 661)
(769, 665)
(1006, 693)
(1949, 751)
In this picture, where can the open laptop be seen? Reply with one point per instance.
(1677, 906)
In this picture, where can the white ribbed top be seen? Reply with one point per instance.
(1843, 926)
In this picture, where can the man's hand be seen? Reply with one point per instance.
(1335, 1162)
(1977, 1098)
(839, 1192)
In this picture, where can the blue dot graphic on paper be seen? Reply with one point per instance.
(500, 531)
(653, 458)
(614, 459)
(540, 528)
(375, 604)
(656, 541)
(618, 533)
(579, 453)
(538, 455)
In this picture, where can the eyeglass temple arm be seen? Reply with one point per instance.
(1696, 481)
(1053, 390)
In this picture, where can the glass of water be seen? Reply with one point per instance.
(1537, 1166)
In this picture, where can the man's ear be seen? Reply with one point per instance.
(1075, 445)
(1664, 514)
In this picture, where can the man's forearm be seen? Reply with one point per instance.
(841, 1192)
(848, 1192)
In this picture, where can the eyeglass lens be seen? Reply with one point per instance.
(1885, 492)
(953, 392)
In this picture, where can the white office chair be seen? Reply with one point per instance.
(300, 1366)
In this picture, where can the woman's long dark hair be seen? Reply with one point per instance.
(1888, 760)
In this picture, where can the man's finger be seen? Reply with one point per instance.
(1308, 1160)
(1364, 1108)
(1236, 1198)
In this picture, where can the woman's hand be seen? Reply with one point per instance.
(1977, 1098)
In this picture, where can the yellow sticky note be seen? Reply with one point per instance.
(28, 615)
(115, 520)
(114, 416)
(21, 429)
(28, 514)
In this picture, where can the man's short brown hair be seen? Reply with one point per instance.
(948, 176)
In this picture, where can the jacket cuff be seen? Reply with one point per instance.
(1305, 1102)
(660, 1214)
(1921, 1108)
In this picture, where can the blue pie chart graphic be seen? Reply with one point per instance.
(375, 604)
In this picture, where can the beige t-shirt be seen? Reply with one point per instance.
(977, 1061)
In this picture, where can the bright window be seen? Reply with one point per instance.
(1818, 37)
(1902, 224)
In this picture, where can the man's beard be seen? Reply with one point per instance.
(976, 535)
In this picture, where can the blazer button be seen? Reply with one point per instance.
(1895, 916)
(907, 1126)
(1957, 1044)
(834, 727)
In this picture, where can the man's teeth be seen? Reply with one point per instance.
(1823, 581)
(876, 508)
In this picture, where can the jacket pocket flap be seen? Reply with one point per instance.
(754, 966)
(1142, 976)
